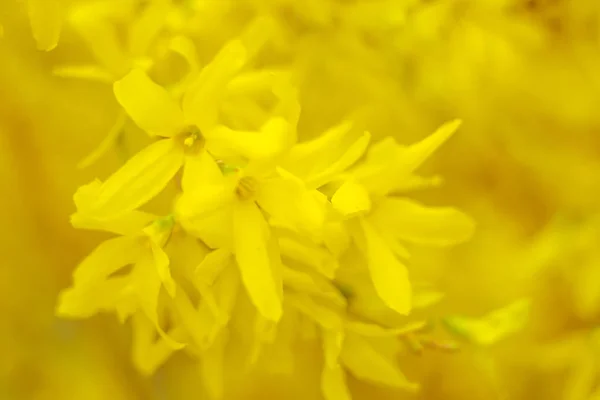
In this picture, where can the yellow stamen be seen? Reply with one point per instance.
(246, 188)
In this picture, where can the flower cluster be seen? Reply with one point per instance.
(233, 237)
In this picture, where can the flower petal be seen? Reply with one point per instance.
(408, 220)
(106, 259)
(197, 324)
(146, 27)
(389, 275)
(389, 166)
(149, 354)
(273, 138)
(200, 171)
(202, 100)
(492, 327)
(414, 155)
(138, 181)
(100, 34)
(211, 267)
(84, 302)
(109, 141)
(93, 73)
(324, 316)
(365, 363)
(148, 104)
(289, 201)
(347, 159)
(161, 261)
(146, 285)
(333, 378)
(46, 17)
(351, 199)
(309, 254)
(214, 229)
(251, 237)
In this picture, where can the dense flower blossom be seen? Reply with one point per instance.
(270, 211)
(256, 199)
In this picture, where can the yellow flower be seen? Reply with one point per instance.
(380, 220)
(188, 133)
(226, 212)
(95, 286)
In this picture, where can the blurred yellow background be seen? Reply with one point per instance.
(523, 75)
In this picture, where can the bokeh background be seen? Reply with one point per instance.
(523, 75)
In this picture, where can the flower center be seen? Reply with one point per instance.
(246, 188)
(192, 138)
(160, 230)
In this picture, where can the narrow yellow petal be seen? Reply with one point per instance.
(146, 285)
(149, 105)
(280, 355)
(144, 176)
(347, 159)
(257, 34)
(253, 82)
(109, 140)
(327, 318)
(307, 253)
(318, 288)
(85, 302)
(333, 341)
(161, 261)
(389, 275)
(149, 354)
(410, 221)
(351, 199)
(129, 224)
(93, 73)
(185, 47)
(417, 153)
(203, 197)
(214, 228)
(251, 236)
(377, 331)
(333, 377)
(226, 293)
(46, 17)
(264, 334)
(492, 327)
(106, 259)
(200, 171)
(202, 100)
(101, 37)
(335, 238)
(197, 324)
(212, 265)
(304, 153)
(145, 29)
(273, 138)
(289, 201)
(389, 167)
(366, 363)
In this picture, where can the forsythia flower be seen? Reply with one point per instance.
(270, 214)
(266, 234)
(261, 203)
